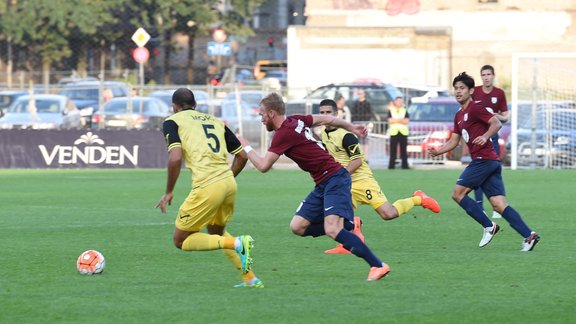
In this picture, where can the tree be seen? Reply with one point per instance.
(192, 18)
(43, 27)
(48, 29)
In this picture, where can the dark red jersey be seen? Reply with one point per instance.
(496, 99)
(471, 123)
(295, 139)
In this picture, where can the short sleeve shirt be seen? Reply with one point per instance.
(496, 99)
(205, 142)
(471, 123)
(295, 140)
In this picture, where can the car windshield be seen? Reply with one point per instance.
(80, 93)
(123, 107)
(42, 106)
(228, 110)
(433, 111)
(200, 95)
(252, 99)
(6, 100)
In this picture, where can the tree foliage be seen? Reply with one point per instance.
(50, 30)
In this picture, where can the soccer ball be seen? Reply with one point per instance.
(90, 262)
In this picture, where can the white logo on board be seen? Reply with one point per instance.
(91, 153)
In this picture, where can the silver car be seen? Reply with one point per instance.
(131, 112)
(42, 111)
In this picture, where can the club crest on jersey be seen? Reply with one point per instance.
(466, 117)
(494, 99)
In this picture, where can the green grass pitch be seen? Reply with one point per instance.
(439, 275)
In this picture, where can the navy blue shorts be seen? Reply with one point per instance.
(486, 174)
(330, 197)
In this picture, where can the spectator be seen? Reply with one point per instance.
(343, 110)
(398, 120)
(362, 112)
(107, 95)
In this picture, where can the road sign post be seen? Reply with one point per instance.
(141, 54)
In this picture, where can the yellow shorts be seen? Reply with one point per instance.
(367, 192)
(212, 204)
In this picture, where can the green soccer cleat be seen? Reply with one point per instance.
(254, 283)
(243, 250)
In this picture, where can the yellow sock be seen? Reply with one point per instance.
(404, 205)
(231, 254)
(248, 276)
(235, 259)
(417, 200)
(203, 242)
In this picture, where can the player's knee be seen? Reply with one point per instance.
(387, 212)
(297, 230)
(332, 231)
(178, 243)
(457, 196)
(498, 204)
(298, 225)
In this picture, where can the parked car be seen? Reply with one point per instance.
(378, 94)
(203, 101)
(251, 97)
(131, 112)
(431, 125)
(279, 76)
(87, 95)
(554, 136)
(42, 111)
(7, 97)
(249, 103)
(263, 67)
(165, 96)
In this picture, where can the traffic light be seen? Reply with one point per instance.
(270, 42)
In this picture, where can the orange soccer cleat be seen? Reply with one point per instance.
(378, 273)
(340, 249)
(427, 201)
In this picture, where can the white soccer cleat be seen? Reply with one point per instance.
(489, 233)
(530, 242)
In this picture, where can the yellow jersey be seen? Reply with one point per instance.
(205, 141)
(344, 147)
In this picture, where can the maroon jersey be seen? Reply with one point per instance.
(471, 123)
(294, 139)
(496, 99)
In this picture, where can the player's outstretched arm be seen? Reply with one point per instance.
(262, 163)
(359, 130)
(447, 147)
